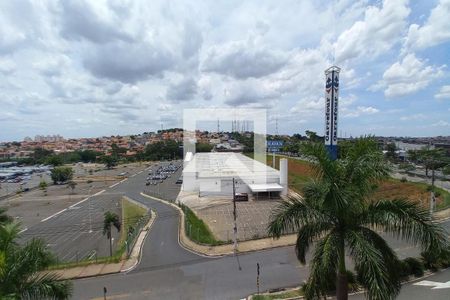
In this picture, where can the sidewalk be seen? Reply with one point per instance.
(109, 268)
(245, 246)
(204, 250)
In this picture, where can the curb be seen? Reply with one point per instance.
(426, 275)
(190, 245)
(147, 229)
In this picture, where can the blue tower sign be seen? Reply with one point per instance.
(331, 109)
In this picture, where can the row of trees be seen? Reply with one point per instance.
(337, 214)
(22, 267)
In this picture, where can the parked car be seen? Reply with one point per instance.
(241, 197)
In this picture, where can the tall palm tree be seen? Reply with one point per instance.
(110, 219)
(22, 269)
(336, 211)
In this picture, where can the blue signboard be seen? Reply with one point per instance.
(274, 146)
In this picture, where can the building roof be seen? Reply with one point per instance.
(265, 187)
(229, 165)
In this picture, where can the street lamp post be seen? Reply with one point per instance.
(432, 196)
(89, 210)
(235, 225)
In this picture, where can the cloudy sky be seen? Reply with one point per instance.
(93, 68)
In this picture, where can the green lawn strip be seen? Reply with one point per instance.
(131, 213)
(279, 295)
(197, 230)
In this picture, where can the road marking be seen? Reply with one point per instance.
(122, 296)
(85, 199)
(98, 193)
(23, 230)
(133, 175)
(111, 186)
(54, 215)
(435, 284)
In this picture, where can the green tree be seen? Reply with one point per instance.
(22, 269)
(87, 156)
(446, 170)
(312, 136)
(110, 219)
(43, 184)
(109, 161)
(4, 218)
(40, 155)
(390, 152)
(61, 174)
(432, 159)
(203, 147)
(336, 211)
(54, 160)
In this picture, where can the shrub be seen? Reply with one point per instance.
(415, 266)
(43, 185)
(434, 261)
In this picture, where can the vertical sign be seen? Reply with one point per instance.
(331, 109)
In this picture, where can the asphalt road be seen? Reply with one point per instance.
(419, 289)
(167, 271)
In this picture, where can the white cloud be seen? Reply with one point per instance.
(407, 77)
(441, 123)
(434, 31)
(243, 60)
(359, 111)
(376, 34)
(7, 66)
(444, 93)
(414, 117)
(128, 65)
(183, 90)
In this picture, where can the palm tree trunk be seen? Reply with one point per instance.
(110, 243)
(342, 280)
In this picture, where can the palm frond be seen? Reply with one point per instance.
(291, 215)
(306, 235)
(46, 286)
(4, 218)
(374, 261)
(408, 221)
(324, 266)
(8, 233)
(322, 164)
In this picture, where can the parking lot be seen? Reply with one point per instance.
(71, 221)
(166, 188)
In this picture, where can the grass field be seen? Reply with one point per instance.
(131, 213)
(299, 172)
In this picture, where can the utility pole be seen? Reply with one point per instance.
(257, 277)
(432, 196)
(235, 225)
(234, 217)
(89, 210)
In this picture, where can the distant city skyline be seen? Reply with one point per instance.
(101, 68)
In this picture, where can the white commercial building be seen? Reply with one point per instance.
(213, 173)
